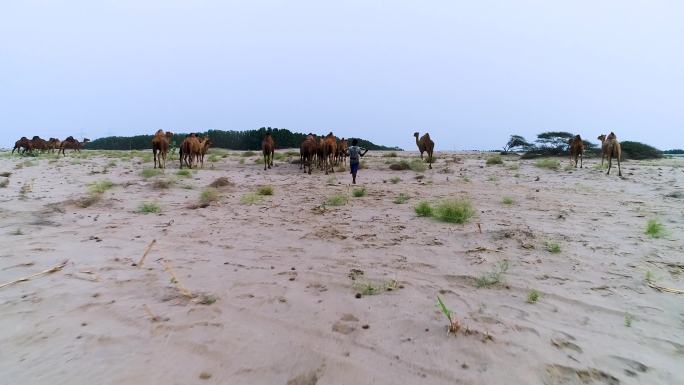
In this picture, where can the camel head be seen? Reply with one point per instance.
(415, 134)
(601, 138)
(577, 137)
(611, 136)
(86, 140)
(169, 135)
(159, 132)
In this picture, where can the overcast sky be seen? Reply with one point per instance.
(469, 72)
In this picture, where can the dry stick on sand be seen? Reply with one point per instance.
(48, 271)
(153, 317)
(174, 280)
(147, 251)
(665, 289)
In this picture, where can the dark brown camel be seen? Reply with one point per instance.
(610, 147)
(53, 144)
(425, 144)
(342, 149)
(37, 143)
(307, 150)
(329, 152)
(20, 144)
(160, 145)
(576, 149)
(71, 144)
(268, 149)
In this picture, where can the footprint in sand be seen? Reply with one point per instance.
(343, 326)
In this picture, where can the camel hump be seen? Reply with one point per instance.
(426, 136)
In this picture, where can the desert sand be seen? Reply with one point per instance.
(265, 287)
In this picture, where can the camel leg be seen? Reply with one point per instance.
(265, 161)
(154, 156)
(430, 160)
(581, 160)
(619, 169)
(610, 163)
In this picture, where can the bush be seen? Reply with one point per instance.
(638, 151)
(149, 208)
(417, 165)
(359, 192)
(454, 211)
(401, 199)
(251, 198)
(395, 180)
(337, 200)
(101, 186)
(265, 190)
(423, 209)
(553, 164)
(183, 173)
(492, 160)
(150, 172)
(208, 195)
(507, 200)
(654, 229)
(399, 166)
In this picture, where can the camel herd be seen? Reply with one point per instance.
(38, 144)
(325, 152)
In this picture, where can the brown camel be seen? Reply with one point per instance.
(37, 143)
(205, 143)
(20, 144)
(425, 144)
(342, 149)
(610, 147)
(189, 150)
(329, 152)
(576, 149)
(307, 150)
(160, 144)
(268, 149)
(53, 144)
(71, 144)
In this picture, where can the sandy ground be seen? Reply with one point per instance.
(284, 273)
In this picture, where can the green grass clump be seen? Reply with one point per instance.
(337, 200)
(533, 296)
(493, 278)
(359, 192)
(208, 195)
(17, 232)
(149, 208)
(213, 158)
(150, 172)
(454, 211)
(401, 198)
(265, 190)
(492, 160)
(395, 180)
(423, 209)
(655, 229)
(371, 288)
(628, 320)
(507, 200)
(4, 183)
(549, 163)
(101, 186)
(251, 199)
(183, 173)
(417, 165)
(247, 154)
(553, 247)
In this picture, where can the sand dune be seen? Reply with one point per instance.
(273, 280)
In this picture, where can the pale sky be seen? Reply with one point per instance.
(469, 72)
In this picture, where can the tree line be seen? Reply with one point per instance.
(234, 140)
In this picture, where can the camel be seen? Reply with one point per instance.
(342, 149)
(610, 147)
(71, 144)
(189, 150)
(425, 144)
(307, 150)
(329, 152)
(268, 149)
(160, 144)
(22, 143)
(205, 143)
(53, 144)
(320, 147)
(37, 143)
(576, 149)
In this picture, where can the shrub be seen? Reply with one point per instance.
(150, 172)
(417, 165)
(265, 190)
(359, 192)
(492, 160)
(533, 296)
(213, 158)
(208, 195)
(548, 163)
(88, 200)
(149, 208)
(160, 184)
(221, 182)
(101, 186)
(454, 211)
(399, 166)
(401, 199)
(423, 209)
(553, 247)
(395, 180)
(337, 200)
(250, 199)
(654, 229)
(637, 151)
(507, 200)
(493, 278)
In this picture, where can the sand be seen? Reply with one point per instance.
(266, 293)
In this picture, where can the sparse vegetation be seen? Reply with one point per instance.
(161, 183)
(492, 178)
(265, 190)
(401, 198)
(4, 183)
(390, 154)
(454, 211)
(150, 172)
(553, 247)
(533, 296)
(549, 163)
(213, 158)
(221, 182)
(208, 195)
(423, 209)
(395, 180)
(17, 232)
(495, 159)
(655, 229)
(251, 199)
(149, 208)
(87, 200)
(507, 200)
(359, 192)
(101, 186)
(184, 173)
(493, 278)
(337, 200)
(399, 166)
(371, 288)
(628, 320)
(247, 154)
(417, 165)
(454, 325)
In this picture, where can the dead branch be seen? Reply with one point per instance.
(48, 271)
